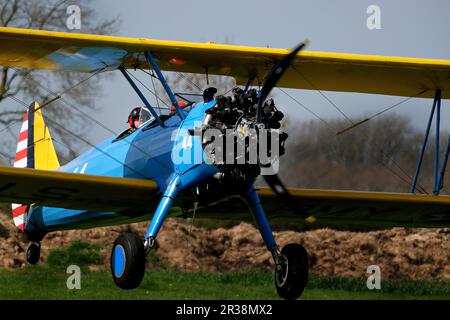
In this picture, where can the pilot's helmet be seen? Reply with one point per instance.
(133, 118)
(181, 104)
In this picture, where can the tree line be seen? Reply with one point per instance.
(380, 155)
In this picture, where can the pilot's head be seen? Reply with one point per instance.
(133, 118)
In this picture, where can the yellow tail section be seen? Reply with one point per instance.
(45, 157)
(34, 150)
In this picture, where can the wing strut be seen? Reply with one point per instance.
(139, 93)
(166, 86)
(438, 177)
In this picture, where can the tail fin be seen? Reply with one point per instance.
(34, 150)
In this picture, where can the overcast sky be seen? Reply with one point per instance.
(412, 28)
(408, 28)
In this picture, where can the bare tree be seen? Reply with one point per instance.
(35, 85)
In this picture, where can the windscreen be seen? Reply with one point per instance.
(144, 116)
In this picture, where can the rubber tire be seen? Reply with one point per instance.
(297, 275)
(33, 253)
(133, 272)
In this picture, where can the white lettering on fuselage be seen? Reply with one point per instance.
(83, 169)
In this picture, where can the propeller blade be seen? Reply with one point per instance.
(276, 73)
(274, 181)
(282, 192)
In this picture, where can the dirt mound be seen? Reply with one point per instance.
(400, 252)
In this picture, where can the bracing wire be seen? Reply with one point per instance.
(91, 118)
(418, 187)
(62, 127)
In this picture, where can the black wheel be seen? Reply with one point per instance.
(291, 274)
(33, 253)
(128, 261)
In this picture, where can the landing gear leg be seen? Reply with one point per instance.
(161, 213)
(291, 263)
(129, 251)
(34, 253)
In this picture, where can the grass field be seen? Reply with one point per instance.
(43, 282)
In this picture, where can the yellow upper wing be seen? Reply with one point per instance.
(311, 70)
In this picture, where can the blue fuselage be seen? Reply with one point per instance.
(147, 153)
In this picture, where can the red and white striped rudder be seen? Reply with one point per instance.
(20, 211)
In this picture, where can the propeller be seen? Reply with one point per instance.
(274, 181)
(275, 75)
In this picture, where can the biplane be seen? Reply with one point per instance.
(133, 177)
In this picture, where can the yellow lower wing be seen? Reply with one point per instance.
(75, 191)
(358, 208)
(340, 209)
